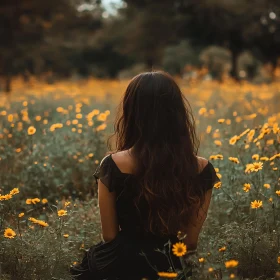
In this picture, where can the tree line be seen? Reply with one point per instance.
(61, 38)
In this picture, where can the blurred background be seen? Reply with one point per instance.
(116, 39)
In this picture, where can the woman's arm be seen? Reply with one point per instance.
(196, 223)
(108, 213)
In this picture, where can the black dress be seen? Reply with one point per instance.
(122, 258)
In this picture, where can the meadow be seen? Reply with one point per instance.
(53, 136)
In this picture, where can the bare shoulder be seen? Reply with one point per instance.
(124, 161)
(202, 162)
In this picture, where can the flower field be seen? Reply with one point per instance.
(52, 137)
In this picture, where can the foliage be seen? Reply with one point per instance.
(176, 57)
(217, 60)
(238, 125)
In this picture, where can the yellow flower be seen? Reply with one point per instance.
(90, 155)
(208, 129)
(67, 203)
(9, 233)
(179, 249)
(217, 169)
(102, 117)
(14, 191)
(28, 201)
(221, 120)
(44, 201)
(232, 276)
(278, 259)
(218, 143)
(210, 269)
(202, 111)
(264, 158)
(66, 235)
(42, 223)
(248, 167)
(31, 130)
(270, 199)
(256, 166)
(38, 222)
(35, 200)
(218, 185)
(233, 139)
(278, 192)
(20, 215)
(266, 186)
(244, 132)
(246, 187)
(231, 263)
(5, 197)
(79, 116)
(234, 159)
(101, 127)
(219, 175)
(256, 204)
(168, 274)
(222, 249)
(62, 212)
(255, 157)
(201, 260)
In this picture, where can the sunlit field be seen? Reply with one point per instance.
(53, 136)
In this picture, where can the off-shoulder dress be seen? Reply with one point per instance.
(123, 258)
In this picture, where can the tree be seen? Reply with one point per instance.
(30, 28)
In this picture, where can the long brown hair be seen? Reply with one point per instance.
(155, 119)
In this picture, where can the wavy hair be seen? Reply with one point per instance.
(155, 121)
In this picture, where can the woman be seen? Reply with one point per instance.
(152, 187)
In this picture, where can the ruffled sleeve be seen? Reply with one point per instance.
(209, 176)
(104, 172)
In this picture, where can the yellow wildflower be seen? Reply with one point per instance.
(221, 120)
(201, 260)
(218, 185)
(9, 233)
(256, 166)
(233, 139)
(231, 263)
(218, 143)
(14, 191)
(35, 200)
(222, 249)
(234, 159)
(20, 215)
(168, 274)
(210, 269)
(246, 187)
(232, 276)
(255, 157)
(62, 212)
(266, 186)
(264, 158)
(202, 111)
(102, 117)
(179, 249)
(278, 192)
(66, 235)
(44, 201)
(256, 204)
(31, 130)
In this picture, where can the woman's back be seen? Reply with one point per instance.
(116, 173)
(153, 185)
